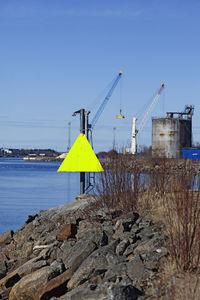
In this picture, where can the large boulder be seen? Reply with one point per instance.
(103, 292)
(6, 238)
(80, 251)
(95, 264)
(28, 286)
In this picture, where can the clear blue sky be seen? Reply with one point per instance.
(57, 57)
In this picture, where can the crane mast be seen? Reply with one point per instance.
(142, 123)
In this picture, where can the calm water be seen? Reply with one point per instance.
(28, 187)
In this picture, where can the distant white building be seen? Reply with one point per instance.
(7, 151)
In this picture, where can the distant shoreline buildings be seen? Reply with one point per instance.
(10, 152)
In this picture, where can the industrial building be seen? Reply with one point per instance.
(172, 133)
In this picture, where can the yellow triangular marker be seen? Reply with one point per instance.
(81, 158)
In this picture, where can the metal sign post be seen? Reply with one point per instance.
(83, 129)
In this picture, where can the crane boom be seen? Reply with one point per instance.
(142, 123)
(103, 104)
(135, 131)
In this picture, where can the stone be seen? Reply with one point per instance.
(92, 231)
(12, 278)
(27, 249)
(50, 238)
(135, 229)
(93, 265)
(80, 251)
(103, 292)
(108, 229)
(119, 269)
(6, 238)
(3, 265)
(28, 286)
(135, 268)
(31, 218)
(145, 234)
(87, 292)
(119, 232)
(129, 250)
(54, 253)
(69, 231)
(121, 247)
(30, 267)
(145, 223)
(127, 222)
(55, 287)
(127, 292)
(145, 247)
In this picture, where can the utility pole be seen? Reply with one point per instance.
(69, 136)
(114, 130)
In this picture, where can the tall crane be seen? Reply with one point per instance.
(135, 131)
(91, 126)
(105, 101)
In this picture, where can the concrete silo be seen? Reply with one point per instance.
(171, 134)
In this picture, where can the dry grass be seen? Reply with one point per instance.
(170, 284)
(118, 189)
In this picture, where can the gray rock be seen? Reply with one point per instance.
(94, 264)
(28, 286)
(121, 247)
(127, 292)
(145, 223)
(126, 223)
(3, 265)
(36, 222)
(129, 250)
(87, 292)
(31, 267)
(66, 250)
(6, 238)
(151, 260)
(145, 234)
(135, 268)
(147, 246)
(108, 229)
(103, 292)
(119, 269)
(27, 249)
(80, 251)
(135, 229)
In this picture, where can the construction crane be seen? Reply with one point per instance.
(133, 149)
(105, 101)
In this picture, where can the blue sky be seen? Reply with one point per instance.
(58, 56)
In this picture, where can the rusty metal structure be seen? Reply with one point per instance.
(172, 133)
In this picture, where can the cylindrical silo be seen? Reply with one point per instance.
(170, 135)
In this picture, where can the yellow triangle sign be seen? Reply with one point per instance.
(81, 158)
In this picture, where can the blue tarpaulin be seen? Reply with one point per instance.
(191, 153)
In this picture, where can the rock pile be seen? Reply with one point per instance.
(62, 254)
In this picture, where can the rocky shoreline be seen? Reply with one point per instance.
(67, 253)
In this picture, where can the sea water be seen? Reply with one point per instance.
(26, 187)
